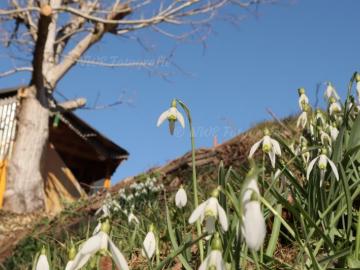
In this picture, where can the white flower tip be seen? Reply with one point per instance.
(149, 245)
(42, 263)
(162, 118)
(181, 198)
(254, 228)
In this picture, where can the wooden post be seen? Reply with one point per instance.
(107, 181)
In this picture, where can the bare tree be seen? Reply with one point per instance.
(56, 34)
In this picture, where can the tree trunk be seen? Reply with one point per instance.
(25, 184)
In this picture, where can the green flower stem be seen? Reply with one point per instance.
(178, 251)
(276, 214)
(157, 253)
(256, 259)
(275, 232)
(357, 242)
(194, 178)
(263, 172)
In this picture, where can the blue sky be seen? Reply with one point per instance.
(228, 86)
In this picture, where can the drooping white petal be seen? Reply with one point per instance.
(118, 257)
(277, 174)
(88, 249)
(276, 147)
(254, 228)
(97, 228)
(210, 224)
(180, 118)
(218, 260)
(162, 118)
(254, 148)
(149, 245)
(303, 99)
(334, 108)
(334, 132)
(42, 263)
(198, 213)
(69, 265)
(310, 167)
(222, 218)
(324, 137)
(272, 158)
(205, 264)
(104, 210)
(331, 92)
(249, 189)
(213, 261)
(302, 120)
(132, 218)
(180, 198)
(334, 169)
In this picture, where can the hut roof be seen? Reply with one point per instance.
(89, 154)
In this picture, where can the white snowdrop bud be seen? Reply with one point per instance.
(181, 198)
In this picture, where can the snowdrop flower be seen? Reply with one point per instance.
(132, 217)
(303, 99)
(302, 120)
(71, 255)
(211, 211)
(253, 222)
(214, 261)
(357, 86)
(331, 92)
(325, 138)
(334, 132)
(322, 161)
(42, 263)
(104, 210)
(116, 206)
(181, 197)
(99, 242)
(305, 154)
(149, 244)
(69, 265)
(172, 115)
(311, 128)
(334, 107)
(269, 146)
(97, 228)
(320, 119)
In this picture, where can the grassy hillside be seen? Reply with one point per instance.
(284, 195)
(22, 236)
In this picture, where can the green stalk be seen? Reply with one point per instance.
(263, 172)
(256, 259)
(276, 214)
(178, 251)
(357, 242)
(275, 232)
(194, 178)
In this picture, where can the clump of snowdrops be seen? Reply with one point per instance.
(300, 191)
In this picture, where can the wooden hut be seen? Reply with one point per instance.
(77, 155)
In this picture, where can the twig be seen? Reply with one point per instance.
(281, 123)
(15, 70)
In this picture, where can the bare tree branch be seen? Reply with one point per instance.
(15, 70)
(71, 105)
(139, 64)
(38, 59)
